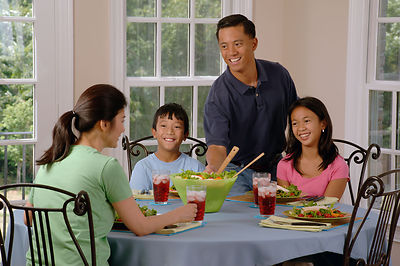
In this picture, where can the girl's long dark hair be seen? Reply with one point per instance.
(326, 148)
(99, 102)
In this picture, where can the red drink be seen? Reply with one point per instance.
(255, 192)
(267, 205)
(160, 188)
(197, 194)
(201, 206)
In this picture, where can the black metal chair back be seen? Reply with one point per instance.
(39, 226)
(373, 189)
(359, 156)
(134, 148)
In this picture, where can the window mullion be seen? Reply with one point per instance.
(158, 40)
(195, 108)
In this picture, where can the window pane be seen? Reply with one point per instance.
(141, 8)
(16, 50)
(19, 8)
(379, 166)
(389, 8)
(182, 96)
(175, 49)
(144, 104)
(16, 163)
(16, 112)
(388, 49)
(380, 118)
(140, 49)
(175, 8)
(202, 96)
(208, 8)
(207, 59)
(397, 175)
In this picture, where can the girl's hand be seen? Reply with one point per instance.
(185, 213)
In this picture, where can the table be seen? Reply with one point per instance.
(231, 236)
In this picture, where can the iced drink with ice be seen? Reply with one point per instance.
(265, 177)
(160, 186)
(267, 198)
(197, 194)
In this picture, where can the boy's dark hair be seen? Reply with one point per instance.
(326, 148)
(234, 20)
(171, 109)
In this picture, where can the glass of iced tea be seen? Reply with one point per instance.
(256, 176)
(197, 194)
(267, 198)
(160, 186)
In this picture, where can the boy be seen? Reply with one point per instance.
(170, 128)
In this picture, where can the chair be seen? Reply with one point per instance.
(134, 148)
(359, 156)
(39, 227)
(373, 190)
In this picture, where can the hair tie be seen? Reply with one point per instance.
(74, 114)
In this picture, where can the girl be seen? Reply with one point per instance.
(312, 163)
(76, 163)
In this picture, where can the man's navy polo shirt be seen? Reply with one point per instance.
(254, 119)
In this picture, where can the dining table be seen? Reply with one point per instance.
(232, 236)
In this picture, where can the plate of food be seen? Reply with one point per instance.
(119, 225)
(143, 194)
(318, 214)
(288, 194)
(173, 191)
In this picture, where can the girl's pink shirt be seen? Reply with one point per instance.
(315, 185)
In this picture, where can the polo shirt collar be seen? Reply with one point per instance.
(240, 86)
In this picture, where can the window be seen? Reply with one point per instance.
(170, 55)
(32, 81)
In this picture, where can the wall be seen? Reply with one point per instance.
(308, 37)
(91, 44)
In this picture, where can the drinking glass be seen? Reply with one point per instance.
(256, 177)
(197, 194)
(267, 197)
(160, 186)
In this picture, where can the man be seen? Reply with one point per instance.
(247, 105)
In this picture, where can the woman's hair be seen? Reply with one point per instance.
(326, 148)
(169, 110)
(99, 102)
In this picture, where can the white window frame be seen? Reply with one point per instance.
(118, 59)
(53, 79)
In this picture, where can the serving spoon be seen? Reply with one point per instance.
(228, 158)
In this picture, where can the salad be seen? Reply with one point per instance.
(317, 212)
(292, 191)
(145, 210)
(188, 174)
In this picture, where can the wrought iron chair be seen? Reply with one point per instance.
(39, 226)
(373, 189)
(359, 156)
(134, 148)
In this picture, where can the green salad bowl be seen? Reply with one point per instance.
(217, 190)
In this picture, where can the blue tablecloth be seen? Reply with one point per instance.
(231, 236)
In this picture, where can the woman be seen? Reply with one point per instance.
(75, 163)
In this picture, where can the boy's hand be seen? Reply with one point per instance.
(186, 213)
(209, 169)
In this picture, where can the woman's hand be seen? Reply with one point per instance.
(185, 213)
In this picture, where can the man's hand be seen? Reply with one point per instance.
(216, 154)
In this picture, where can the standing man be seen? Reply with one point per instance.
(247, 105)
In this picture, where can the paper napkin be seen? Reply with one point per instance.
(286, 223)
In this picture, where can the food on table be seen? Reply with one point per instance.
(188, 174)
(293, 191)
(317, 212)
(144, 209)
(198, 198)
(267, 199)
(160, 188)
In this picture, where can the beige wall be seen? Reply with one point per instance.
(308, 37)
(91, 44)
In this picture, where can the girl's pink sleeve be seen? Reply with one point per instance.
(340, 168)
(282, 170)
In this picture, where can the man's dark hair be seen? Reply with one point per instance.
(169, 110)
(235, 20)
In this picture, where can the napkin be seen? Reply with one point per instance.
(285, 223)
(137, 195)
(179, 227)
(325, 201)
